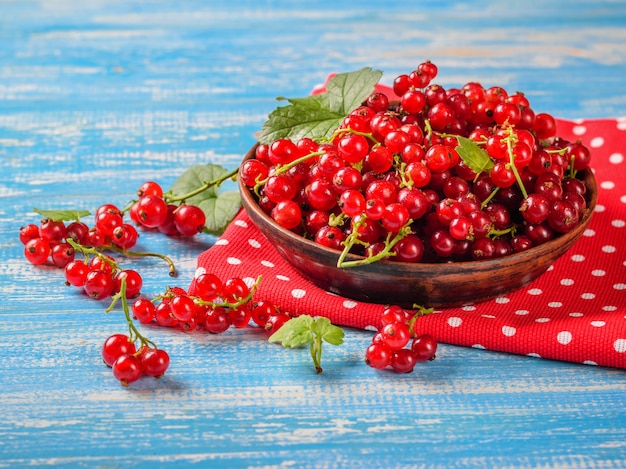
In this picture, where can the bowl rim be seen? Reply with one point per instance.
(591, 197)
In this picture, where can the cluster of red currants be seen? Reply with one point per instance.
(396, 345)
(152, 211)
(128, 364)
(211, 305)
(458, 174)
(99, 274)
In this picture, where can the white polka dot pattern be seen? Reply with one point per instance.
(576, 311)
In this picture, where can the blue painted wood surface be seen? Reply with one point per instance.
(97, 97)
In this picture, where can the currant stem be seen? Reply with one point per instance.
(237, 304)
(133, 332)
(316, 353)
(509, 146)
(384, 253)
(170, 263)
(169, 197)
(420, 311)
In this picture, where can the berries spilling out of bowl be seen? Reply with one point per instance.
(420, 173)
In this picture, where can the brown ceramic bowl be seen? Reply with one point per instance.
(405, 284)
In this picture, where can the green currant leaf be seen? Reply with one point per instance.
(319, 115)
(330, 333)
(62, 215)
(294, 333)
(473, 155)
(303, 330)
(219, 207)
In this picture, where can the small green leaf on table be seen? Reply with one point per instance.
(302, 330)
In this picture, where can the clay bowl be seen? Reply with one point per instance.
(433, 285)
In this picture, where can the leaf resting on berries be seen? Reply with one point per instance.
(219, 207)
(317, 116)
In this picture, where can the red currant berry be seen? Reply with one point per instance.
(544, 126)
(99, 284)
(76, 273)
(37, 251)
(77, 232)
(150, 188)
(403, 360)
(287, 214)
(283, 151)
(353, 148)
(152, 211)
(261, 311)
(424, 347)
(275, 322)
(189, 220)
(52, 231)
(235, 289)
(116, 346)
(29, 232)
(144, 310)
(380, 159)
(133, 279)
(396, 335)
(378, 355)
(62, 254)
(154, 362)
(124, 236)
(253, 171)
(395, 217)
(208, 286)
(127, 369)
(217, 320)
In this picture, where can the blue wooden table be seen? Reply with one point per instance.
(98, 97)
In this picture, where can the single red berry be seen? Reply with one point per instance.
(208, 286)
(127, 369)
(37, 251)
(261, 311)
(154, 362)
(144, 310)
(217, 320)
(183, 307)
(403, 360)
(99, 284)
(150, 188)
(396, 335)
(52, 230)
(124, 236)
(116, 346)
(378, 355)
(28, 232)
(151, 211)
(62, 254)
(134, 282)
(76, 273)
(275, 322)
(189, 220)
(424, 347)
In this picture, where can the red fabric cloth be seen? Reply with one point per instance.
(576, 311)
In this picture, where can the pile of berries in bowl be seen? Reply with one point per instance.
(423, 195)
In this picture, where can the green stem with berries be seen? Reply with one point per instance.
(133, 332)
(387, 251)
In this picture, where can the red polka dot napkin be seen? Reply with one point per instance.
(576, 311)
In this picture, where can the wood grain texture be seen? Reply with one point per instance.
(97, 97)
